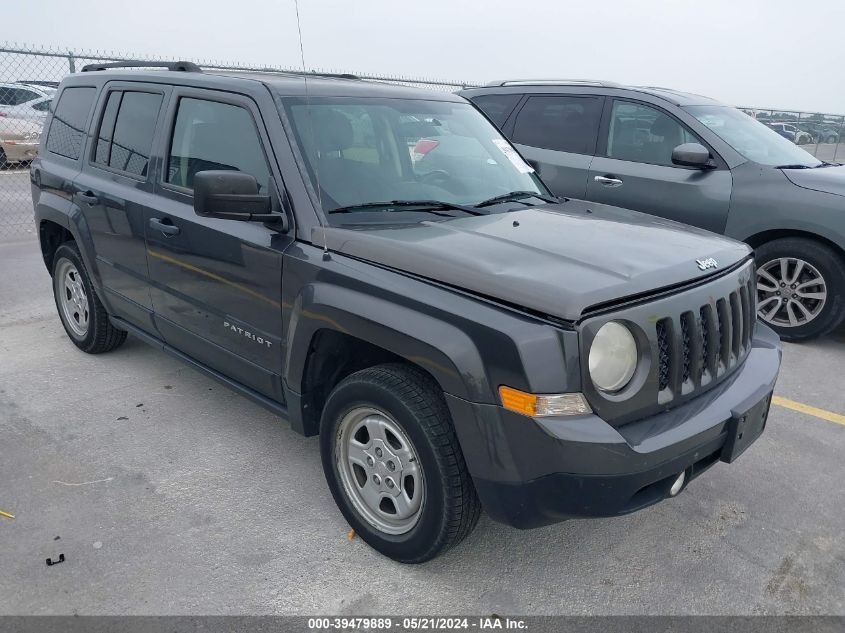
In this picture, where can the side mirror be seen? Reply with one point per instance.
(231, 195)
(692, 155)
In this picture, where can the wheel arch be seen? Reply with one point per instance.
(334, 331)
(763, 237)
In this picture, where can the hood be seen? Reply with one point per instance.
(824, 179)
(558, 259)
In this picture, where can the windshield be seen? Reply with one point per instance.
(751, 138)
(364, 151)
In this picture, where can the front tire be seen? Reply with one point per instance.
(393, 463)
(800, 287)
(83, 316)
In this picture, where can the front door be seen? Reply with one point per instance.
(216, 284)
(633, 168)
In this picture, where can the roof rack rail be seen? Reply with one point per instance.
(534, 82)
(186, 67)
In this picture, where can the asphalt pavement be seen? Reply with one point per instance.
(168, 494)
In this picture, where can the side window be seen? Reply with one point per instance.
(22, 96)
(213, 135)
(126, 131)
(67, 131)
(643, 134)
(497, 107)
(16, 96)
(563, 123)
(42, 106)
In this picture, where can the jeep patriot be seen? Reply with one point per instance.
(381, 268)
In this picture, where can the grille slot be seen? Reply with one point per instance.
(686, 346)
(664, 367)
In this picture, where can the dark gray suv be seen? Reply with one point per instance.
(689, 158)
(378, 265)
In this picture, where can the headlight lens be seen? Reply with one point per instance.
(613, 357)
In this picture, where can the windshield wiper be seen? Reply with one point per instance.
(796, 166)
(427, 205)
(515, 196)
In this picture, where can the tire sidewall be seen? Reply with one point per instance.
(429, 528)
(832, 270)
(70, 254)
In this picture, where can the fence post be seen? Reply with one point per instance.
(71, 61)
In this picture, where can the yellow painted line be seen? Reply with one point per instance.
(836, 418)
(6, 514)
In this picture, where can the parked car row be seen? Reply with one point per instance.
(23, 109)
(608, 143)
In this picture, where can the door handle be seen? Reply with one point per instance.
(165, 226)
(89, 197)
(607, 181)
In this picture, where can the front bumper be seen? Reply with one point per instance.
(530, 473)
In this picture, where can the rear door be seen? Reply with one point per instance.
(633, 168)
(557, 134)
(115, 192)
(217, 283)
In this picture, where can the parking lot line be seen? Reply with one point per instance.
(836, 418)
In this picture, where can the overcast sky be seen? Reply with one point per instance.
(765, 53)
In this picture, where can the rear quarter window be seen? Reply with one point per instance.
(67, 130)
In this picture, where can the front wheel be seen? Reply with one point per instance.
(800, 287)
(393, 463)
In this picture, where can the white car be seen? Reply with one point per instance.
(19, 140)
(23, 108)
(35, 110)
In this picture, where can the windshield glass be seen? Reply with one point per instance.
(751, 138)
(370, 150)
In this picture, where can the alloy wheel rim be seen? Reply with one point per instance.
(72, 298)
(791, 292)
(380, 470)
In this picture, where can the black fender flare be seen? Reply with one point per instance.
(436, 346)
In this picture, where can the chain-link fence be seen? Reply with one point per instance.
(29, 77)
(28, 80)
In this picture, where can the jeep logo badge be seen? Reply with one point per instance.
(704, 264)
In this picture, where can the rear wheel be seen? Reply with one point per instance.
(393, 463)
(84, 318)
(800, 287)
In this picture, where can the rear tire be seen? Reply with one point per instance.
(393, 463)
(83, 316)
(800, 287)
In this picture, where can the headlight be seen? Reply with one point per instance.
(613, 357)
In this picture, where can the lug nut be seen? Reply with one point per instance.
(370, 461)
(379, 452)
(376, 480)
(391, 466)
(389, 482)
